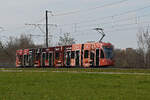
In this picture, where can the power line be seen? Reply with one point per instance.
(41, 20)
(39, 26)
(55, 25)
(39, 35)
(125, 29)
(115, 15)
(117, 21)
(110, 16)
(89, 9)
(112, 29)
(2, 29)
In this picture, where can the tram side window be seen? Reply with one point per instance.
(57, 55)
(46, 56)
(19, 57)
(102, 54)
(30, 56)
(37, 56)
(27, 58)
(43, 55)
(72, 54)
(86, 54)
(91, 55)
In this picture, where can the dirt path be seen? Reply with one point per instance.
(125, 73)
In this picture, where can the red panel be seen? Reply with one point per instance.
(58, 62)
(86, 61)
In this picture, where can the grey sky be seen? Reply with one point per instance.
(120, 30)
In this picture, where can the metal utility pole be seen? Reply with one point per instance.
(46, 29)
(47, 26)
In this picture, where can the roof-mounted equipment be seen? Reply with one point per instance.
(100, 30)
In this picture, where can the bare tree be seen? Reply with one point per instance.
(8, 50)
(66, 40)
(144, 45)
(24, 41)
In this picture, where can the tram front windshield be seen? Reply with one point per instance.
(108, 52)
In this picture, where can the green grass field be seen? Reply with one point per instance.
(32, 85)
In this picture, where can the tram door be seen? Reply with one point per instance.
(30, 59)
(92, 58)
(43, 58)
(50, 59)
(68, 58)
(77, 58)
(26, 60)
(20, 60)
(97, 57)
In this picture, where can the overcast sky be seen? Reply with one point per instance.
(120, 19)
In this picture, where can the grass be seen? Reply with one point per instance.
(31, 85)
